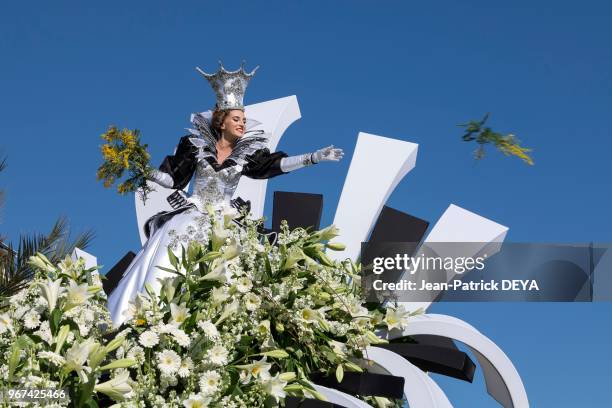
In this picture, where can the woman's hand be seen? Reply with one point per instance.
(329, 153)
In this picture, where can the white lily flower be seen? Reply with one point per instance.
(339, 348)
(274, 387)
(219, 295)
(41, 262)
(229, 310)
(231, 251)
(6, 323)
(294, 255)
(259, 369)
(71, 267)
(228, 213)
(328, 233)
(218, 273)
(77, 294)
(396, 318)
(219, 236)
(168, 287)
(51, 291)
(179, 313)
(117, 388)
(309, 315)
(76, 357)
(137, 307)
(357, 309)
(263, 328)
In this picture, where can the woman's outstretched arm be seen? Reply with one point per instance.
(329, 153)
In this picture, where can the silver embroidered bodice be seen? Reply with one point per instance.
(216, 187)
(212, 187)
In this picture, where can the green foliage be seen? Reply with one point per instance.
(16, 272)
(2, 167)
(507, 144)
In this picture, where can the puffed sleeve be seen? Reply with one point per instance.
(182, 164)
(262, 164)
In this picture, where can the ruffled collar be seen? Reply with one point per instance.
(206, 138)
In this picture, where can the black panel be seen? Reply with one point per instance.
(395, 226)
(116, 273)
(294, 402)
(365, 384)
(299, 209)
(442, 360)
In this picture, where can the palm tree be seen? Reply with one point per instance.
(15, 271)
(2, 167)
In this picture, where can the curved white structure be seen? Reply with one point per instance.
(340, 398)
(367, 188)
(503, 380)
(419, 389)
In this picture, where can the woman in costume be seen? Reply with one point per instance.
(219, 150)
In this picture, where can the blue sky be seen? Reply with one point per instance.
(407, 70)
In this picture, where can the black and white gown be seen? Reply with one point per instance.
(213, 184)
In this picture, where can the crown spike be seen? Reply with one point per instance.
(204, 74)
(229, 86)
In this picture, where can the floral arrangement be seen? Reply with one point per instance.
(237, 322)
(52, 335)
(122, 153)
(240, 322)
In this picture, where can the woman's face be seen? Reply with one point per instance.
(234, 124)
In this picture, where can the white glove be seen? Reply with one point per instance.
(329, 153)
(161, 178)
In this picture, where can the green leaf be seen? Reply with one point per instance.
(14, 360)
(174, 271)
(173, 259)
(54, 321)
(85, 393)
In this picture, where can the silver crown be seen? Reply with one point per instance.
(229, 85)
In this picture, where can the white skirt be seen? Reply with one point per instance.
(179, 230)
